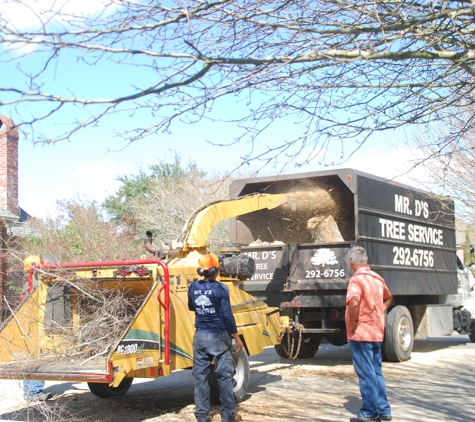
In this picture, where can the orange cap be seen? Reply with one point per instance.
(208, 261)
(31, 260)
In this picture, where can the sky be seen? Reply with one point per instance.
(90, 167)
(90, 164)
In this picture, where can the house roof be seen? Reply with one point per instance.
(23, 215)
(20, 228)
(6, 215)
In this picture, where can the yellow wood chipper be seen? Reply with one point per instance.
(46, 337)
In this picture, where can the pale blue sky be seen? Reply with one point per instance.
(87, 167)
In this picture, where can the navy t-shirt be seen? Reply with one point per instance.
(209, 299)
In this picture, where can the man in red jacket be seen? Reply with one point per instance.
(367, 299)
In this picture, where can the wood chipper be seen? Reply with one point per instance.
(106, 323)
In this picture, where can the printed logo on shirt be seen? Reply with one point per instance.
(203, 306)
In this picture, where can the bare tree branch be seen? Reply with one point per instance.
(445, 156)
(338, 70)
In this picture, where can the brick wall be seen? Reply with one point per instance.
(8, 165)
(8, 192)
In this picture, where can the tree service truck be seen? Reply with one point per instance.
(300, 249)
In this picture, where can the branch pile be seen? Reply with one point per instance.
(84, 320)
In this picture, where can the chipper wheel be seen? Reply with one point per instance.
(103, 390)
(241, 378)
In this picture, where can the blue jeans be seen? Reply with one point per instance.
(32, 388)
(367, 362)
(206, 348)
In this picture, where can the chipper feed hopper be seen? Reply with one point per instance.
(106, 323)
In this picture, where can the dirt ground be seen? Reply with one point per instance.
(437, 384)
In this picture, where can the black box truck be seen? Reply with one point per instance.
(300, 250)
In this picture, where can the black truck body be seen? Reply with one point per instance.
(409, 236)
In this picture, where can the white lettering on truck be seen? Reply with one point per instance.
(415, 233)
(257, 256)
(262, 266)
(393, 229)
(422, 234)
(402, 204)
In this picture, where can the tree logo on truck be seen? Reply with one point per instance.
(324, 257)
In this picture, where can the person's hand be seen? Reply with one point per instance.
(238, 342)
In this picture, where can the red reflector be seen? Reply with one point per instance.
(286, 303)
(110, 377)
(298, 303)
(152, 372)
(160, 371)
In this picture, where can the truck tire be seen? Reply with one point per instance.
(286, 343)
(399, 336)
(103, 390)
(308, 346)
(241, 378)
(280, 350)
(338, 339)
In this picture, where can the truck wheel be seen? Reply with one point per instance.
(286, 340)
(103, 390)
(339, 339)
(308, 347)
(280, 350)
(241, 378)
(399, 337)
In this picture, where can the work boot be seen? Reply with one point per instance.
(374, 418)
(386, 417)
(237, 417)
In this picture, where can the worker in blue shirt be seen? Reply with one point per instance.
(215, 330)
